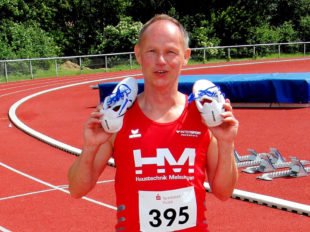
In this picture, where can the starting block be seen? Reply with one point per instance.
(297, 169)
(277, 158)
(259, 159)
(241, 158)
(265, 165)
(271, 162)
(252, 159)
(268, 165)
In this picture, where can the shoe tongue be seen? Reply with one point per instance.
(205, 100)
(115, 108)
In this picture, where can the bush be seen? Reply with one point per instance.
(120, 38)
(267, 34)
(6, 51)
(287, 33)
(263, 34)
(202, 36)
(304, 25)
(26, 40)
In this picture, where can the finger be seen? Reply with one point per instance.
(95, 114)
(92, 123)
(227, 114)
(99, 107)
(93, 120)
(227, 106)
(230, 120)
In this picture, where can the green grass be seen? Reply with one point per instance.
(266, 57)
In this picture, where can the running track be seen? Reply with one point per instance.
(34, 195)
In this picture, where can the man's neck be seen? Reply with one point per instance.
(162, 107)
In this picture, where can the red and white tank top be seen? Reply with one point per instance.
(160, 170)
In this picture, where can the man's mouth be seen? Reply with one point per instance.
(161, 72)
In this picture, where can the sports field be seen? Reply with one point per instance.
(34, 195)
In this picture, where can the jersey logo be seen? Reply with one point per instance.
(189, 133)
(135, 134)
(162, 155)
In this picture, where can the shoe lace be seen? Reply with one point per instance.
(204, 92)
(118, 95)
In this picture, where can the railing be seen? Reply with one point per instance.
(254, 46)
(32, 68)
(27, 64)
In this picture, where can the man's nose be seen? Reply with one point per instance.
(161, 59)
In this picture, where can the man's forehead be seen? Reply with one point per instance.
(162, 28)
(162, 24)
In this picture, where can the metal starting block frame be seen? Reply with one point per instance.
(297, 169)
(241, 158)
(258, 159)
(252, 159)
(269, 162)
(267, 165)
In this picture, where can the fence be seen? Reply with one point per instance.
(19, 69)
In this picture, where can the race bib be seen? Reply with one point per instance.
(167, 210)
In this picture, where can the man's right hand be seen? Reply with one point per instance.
(94, 134)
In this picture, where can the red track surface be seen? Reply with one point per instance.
(61, 114)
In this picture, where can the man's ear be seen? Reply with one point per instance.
(137, 53)
(187, 55)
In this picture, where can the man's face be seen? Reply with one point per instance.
(161, 53)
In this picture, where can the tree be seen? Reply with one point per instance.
(79, 26)
(121, 37)
(26, 40)
(12, 10)
(304, 25)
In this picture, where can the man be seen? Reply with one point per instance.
(160, 171)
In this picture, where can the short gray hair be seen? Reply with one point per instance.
(166, 17)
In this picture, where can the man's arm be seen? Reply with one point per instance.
(221, 166)
(97, 149)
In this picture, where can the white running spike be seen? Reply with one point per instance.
(209, 101)
(116, 104)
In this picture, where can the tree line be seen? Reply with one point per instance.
(47, 28)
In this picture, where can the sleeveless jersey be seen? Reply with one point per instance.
(160, 170)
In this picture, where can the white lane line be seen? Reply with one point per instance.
(270, 201)
(28, 194)
(55, 187)
(2, 229)
(46, 190)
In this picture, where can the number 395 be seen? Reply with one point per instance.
(170, 215)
